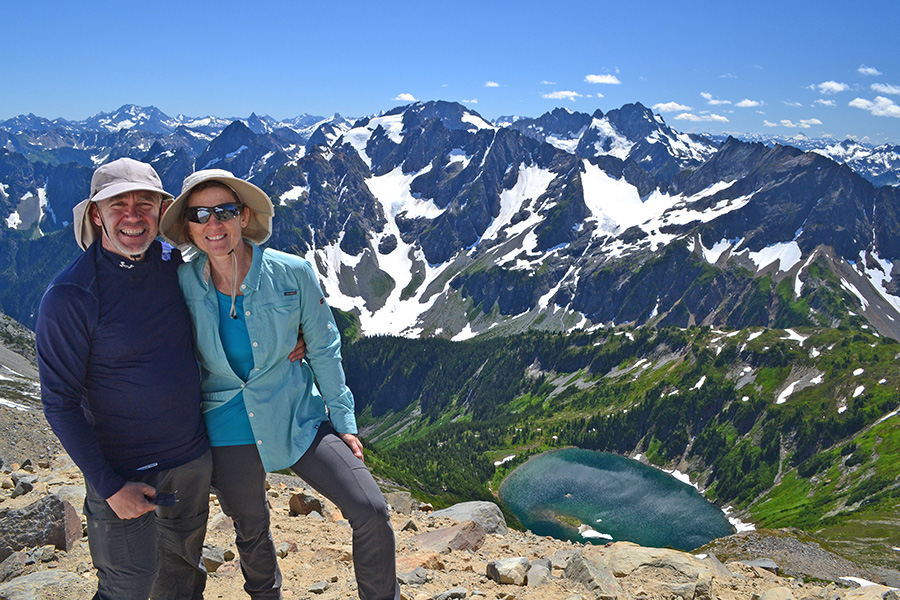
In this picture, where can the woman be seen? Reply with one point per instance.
(263, 412)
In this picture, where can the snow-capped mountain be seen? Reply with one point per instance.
(430, 220)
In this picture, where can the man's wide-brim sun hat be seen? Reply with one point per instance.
(117, 177)
(261, 210)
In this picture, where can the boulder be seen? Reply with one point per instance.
(538, 574)
(304, 504)
(401, 502)
(590, 569)
(465, 536)
(47, 521)
(509, 570)
(486, 513)
(47, 584)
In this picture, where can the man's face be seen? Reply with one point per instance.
(129, 222)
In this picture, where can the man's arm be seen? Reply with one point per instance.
(63, 343)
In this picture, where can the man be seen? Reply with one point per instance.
(120, 388)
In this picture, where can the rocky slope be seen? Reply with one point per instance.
(316, 556)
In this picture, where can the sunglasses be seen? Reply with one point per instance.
(223, 212)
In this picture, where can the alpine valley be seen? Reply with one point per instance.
(724, 307)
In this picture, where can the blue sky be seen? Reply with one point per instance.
(826, 68)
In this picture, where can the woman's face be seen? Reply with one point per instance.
(215, 237)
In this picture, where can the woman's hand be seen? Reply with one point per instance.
(354, 444)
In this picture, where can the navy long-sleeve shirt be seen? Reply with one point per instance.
(119, 382)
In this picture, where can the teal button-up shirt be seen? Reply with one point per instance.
(283, 398)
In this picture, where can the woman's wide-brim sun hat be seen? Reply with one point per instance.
(261, 210)
(112, 179)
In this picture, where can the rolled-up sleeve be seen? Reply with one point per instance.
(323, 350)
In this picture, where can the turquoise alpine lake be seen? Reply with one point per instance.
(588, 496)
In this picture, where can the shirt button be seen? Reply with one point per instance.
(247, 313)
(243, 286)
(243, 385)
(255, 344)
(259, 442)
(250, 414)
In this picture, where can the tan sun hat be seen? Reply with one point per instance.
(261, 210)
(117, 177)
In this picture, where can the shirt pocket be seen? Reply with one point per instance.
(276, 320)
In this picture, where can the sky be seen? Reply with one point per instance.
(829, 68)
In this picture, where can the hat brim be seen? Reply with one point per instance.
(257, 230)
(86, 233)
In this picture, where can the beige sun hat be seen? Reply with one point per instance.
(117, 177)
(261, 210)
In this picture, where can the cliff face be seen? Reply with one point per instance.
(316, 556)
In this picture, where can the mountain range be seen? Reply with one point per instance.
(430, 220)
(762, 269)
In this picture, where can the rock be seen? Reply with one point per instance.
(341, 553)
(457, 592)
(716, 568)
(47, 584)
(73, 494)
(319, 587)
(426, 560)
(304, 504)
(222, 522)
(22, 488)
(285, 548)
(538, 574)
(509, 570)
(589, 568)
(778, 593)
(871, 592)
(624, 557)
(410, 525)
(417, 576)
(214, 557)
(487, 514)
(47, 521)
(762, 563)
(13, 565)
(401, 502)
(465, 536)
(44, 554)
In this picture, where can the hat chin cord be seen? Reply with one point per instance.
(134, 257)
(233, 312)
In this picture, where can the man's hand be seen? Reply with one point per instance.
(133, 500)
(299, 350)
(354, 444)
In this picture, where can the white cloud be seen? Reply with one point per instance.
(728, 76)
(884, 88)
(871, 71)
(793, 104)
(491, 84)
(670, 107)
(831, 87)
(561, 95)
(405, 97)
(472, 101)
(825, 102)
(803, 124)
(881, 107)
(713, 101)
(602, 79)
(708, 117)
(545, 82)
(769, 123)
(747, 103)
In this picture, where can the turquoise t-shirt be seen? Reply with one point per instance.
(229, 424)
